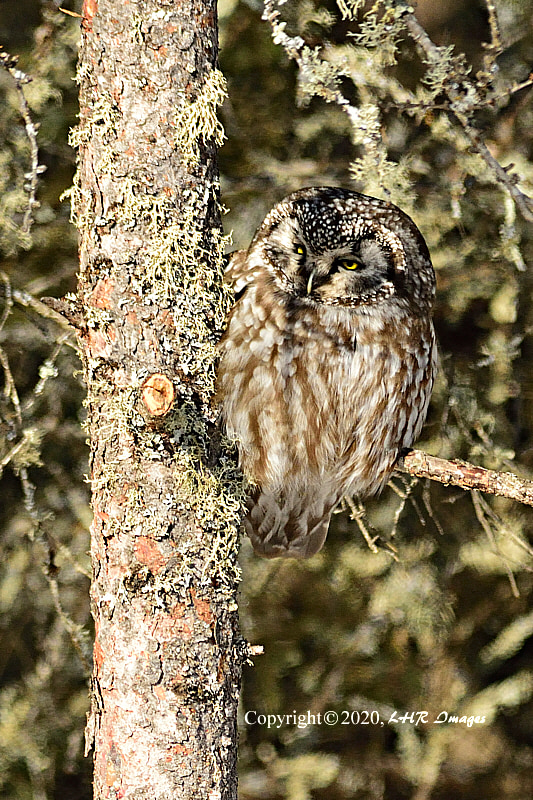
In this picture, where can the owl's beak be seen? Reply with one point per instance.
(310, 282)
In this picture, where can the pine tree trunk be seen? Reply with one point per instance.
(166, 497)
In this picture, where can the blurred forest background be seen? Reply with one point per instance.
(440, 617)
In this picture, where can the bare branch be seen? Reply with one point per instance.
(358, 515)
(467, 476)
(324, 85)
(63, 312)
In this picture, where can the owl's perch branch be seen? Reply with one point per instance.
(467, 476)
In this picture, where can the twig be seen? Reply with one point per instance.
(495, 33)
(10, 455)
(70, 13)
(37, 531)
(324, 85)
(480, 507)
(20, 78)
(296, 48)
(61, 311)
(5, 291)
(358, 514)
(426, 499)
(467, 476)
(504, 176)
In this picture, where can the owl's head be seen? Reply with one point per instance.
(337, 247)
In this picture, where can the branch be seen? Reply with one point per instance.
(20, 78)
(63, 311)
(502, 175)
(467, 476)
(318, 77)
(296, 48)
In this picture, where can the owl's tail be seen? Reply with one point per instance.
(292, 525)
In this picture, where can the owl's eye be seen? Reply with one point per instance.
(300, 251)
(350, 263)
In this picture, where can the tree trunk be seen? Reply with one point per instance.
(166, 496)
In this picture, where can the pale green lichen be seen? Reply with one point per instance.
(316, 77)
(509, 693)
(117, 410)
(509, 235)
(373, 170)
(306, 772)
(350, 8)
(101, 122)
(382, 29)
(364, 66)
(175, 266)
(308, 14)
(197, 121)
(216, 497)
(180, 265)
(26, 452)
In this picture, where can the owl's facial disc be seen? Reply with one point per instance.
(355, 268)
(358, 273)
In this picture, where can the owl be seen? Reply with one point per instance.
(327, 364)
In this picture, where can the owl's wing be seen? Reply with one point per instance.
(237, 272)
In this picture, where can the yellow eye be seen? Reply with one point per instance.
(350, 263)
(300, 251)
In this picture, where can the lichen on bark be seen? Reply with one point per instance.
(167, 496)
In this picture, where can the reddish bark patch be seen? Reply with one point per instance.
(99, 344)
(101, 294)
(167, 318)
(167, 626)
(148, 554)
(177, 750)
(102, 515)
(203, 609)
(131, 317)
(98, 655)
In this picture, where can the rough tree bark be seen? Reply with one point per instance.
(150, 308)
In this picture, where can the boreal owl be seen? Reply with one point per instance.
(327, 365)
